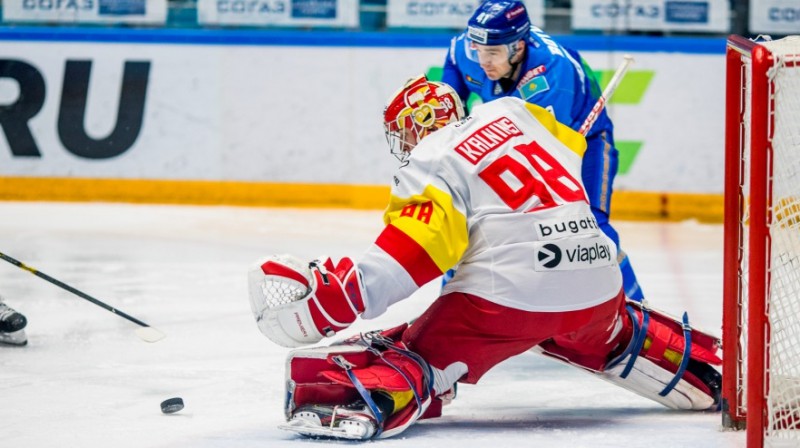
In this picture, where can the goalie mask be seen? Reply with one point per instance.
(416, 110)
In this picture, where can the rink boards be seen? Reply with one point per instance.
(293, 118)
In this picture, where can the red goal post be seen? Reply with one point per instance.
(761, 273)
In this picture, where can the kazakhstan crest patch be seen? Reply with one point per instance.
(536, 85)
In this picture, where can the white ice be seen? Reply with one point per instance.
(85, 380)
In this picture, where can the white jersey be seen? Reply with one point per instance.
(499, 195)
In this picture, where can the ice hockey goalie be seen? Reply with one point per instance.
(497, 194)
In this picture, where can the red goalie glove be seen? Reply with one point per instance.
(298, 303)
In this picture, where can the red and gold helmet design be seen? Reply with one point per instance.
(416, 110)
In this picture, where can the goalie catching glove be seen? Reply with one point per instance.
(297, 304)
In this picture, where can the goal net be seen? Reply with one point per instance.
(761, 304)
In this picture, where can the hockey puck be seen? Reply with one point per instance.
(172, 405)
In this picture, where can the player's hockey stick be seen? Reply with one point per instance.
(145, 332)
(607, 92)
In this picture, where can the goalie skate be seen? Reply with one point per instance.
(354, 422)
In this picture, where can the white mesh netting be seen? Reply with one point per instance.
(783, 301)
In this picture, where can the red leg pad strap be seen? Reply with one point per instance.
(380, 375)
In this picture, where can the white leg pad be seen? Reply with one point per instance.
(648, 379)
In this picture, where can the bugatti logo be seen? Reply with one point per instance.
(549, 255)
(551, 229)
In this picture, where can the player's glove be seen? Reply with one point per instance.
(298, 303)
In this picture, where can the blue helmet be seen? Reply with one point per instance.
(498, 22)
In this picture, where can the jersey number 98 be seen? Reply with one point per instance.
(555, 179)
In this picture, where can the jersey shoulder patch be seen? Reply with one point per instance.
(535, 86)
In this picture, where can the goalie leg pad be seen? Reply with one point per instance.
(662, 358)
(668, 361)
(667, 336)
(649, 380)
(349, 390)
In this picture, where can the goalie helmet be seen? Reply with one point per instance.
(416, 110)
(498, 22)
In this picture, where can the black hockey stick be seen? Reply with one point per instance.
(145, 332)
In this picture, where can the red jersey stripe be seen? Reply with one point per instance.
(411, 256)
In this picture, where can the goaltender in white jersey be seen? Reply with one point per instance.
(499, 194)
(530, 241)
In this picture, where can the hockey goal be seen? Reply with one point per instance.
(761, 304)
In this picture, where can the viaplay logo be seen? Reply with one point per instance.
(572, 254)
(549, 255)
(630, 92)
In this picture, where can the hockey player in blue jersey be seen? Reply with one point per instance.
(501, 54)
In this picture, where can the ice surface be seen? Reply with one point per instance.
(86, 380)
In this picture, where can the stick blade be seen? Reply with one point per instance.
(150, 334)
